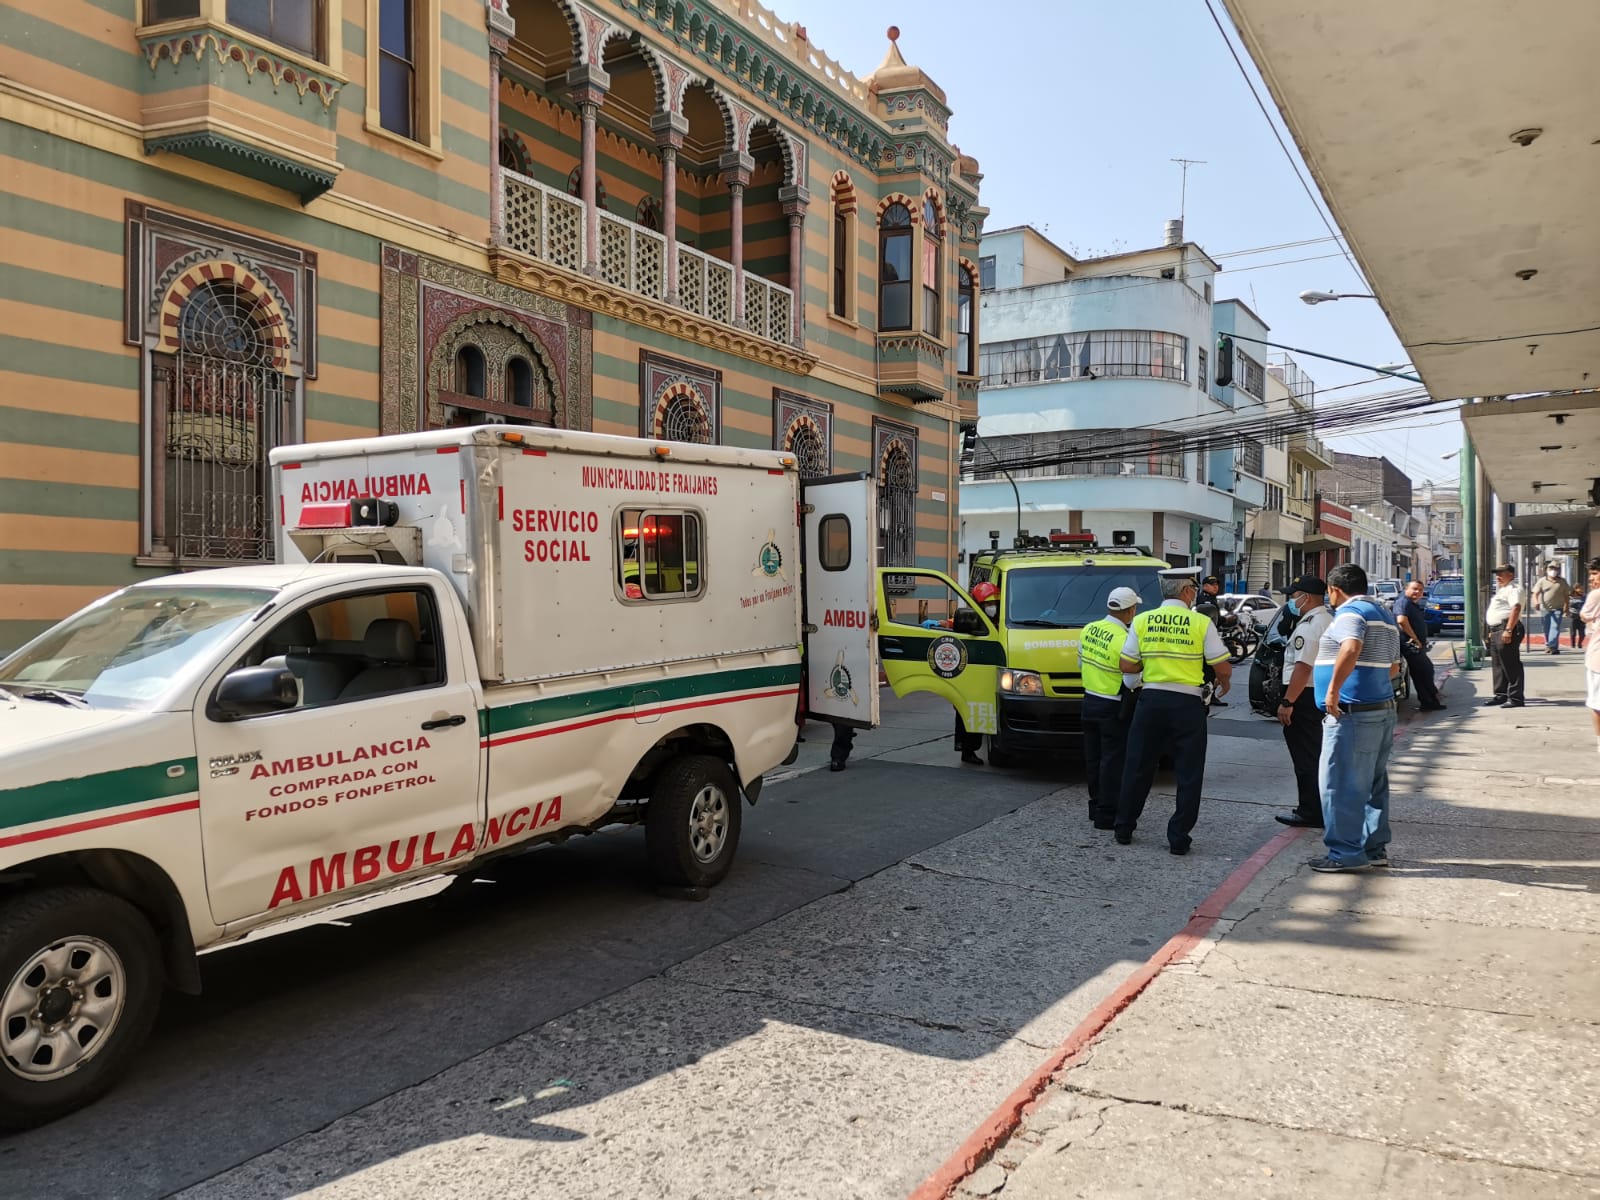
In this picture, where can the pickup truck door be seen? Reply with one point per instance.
(374, 775)
(839, 557)
(959, 663)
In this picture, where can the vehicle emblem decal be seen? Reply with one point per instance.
(840, 685)
(947, 656)
(769, 559)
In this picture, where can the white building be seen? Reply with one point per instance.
(1083, 363)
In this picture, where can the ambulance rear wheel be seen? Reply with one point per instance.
(691, 824)
(80, 981)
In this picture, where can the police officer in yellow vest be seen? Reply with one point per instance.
(1172, 646)
(1107, 704)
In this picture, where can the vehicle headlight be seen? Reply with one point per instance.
(1021, 683)
(1435, 607)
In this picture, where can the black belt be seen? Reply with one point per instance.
(1374, 707)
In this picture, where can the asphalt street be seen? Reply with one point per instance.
(897, 947)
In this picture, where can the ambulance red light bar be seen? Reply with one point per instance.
(350, 514)
(1072, 539)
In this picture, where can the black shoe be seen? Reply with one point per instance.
(1496, 700)
(1219, 704)
(967, 756)
(1105, 825)
(1178, 848)
(1297, 821)
(835, 766)
(1123, 839)
(1515, 704)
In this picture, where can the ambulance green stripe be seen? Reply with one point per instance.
(90, 793)
(509, 717)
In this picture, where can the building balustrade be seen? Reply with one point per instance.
(549, 225)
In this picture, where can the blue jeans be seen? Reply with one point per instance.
(1354, 776)
(1552, 630)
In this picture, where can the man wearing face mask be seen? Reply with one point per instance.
(1297, 711)
(1550, 596)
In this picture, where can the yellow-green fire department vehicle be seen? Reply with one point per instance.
(1015, 679)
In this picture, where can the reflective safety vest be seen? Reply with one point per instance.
(1100, 656)
(1172, 645)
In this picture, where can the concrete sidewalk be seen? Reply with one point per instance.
(1432, 1030)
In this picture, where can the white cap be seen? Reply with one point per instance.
(1122, 599)
(1180, 573)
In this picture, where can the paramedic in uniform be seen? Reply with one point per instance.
(1107, 704)
(1298, 712)
(1172, 646)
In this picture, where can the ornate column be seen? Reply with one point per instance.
(669, 130)
(497, 193)
(794, 200)
(502, 28)
(588, 86)
(736, 169)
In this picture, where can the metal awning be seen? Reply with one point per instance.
(1454, 143)
(1545, 450)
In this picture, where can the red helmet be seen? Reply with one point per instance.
(985, 592)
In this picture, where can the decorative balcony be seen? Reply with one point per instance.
(221, 97)
(911, 365)
(548, 226)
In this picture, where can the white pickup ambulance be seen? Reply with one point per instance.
(473, 641)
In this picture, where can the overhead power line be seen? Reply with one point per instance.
(1282, 145)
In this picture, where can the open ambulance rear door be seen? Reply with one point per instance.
(838, 539)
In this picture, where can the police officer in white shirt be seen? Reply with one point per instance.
(1502, 637)
(1297, 710)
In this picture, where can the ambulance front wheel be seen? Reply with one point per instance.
(692, 822)
(80, 981)
(999, 757)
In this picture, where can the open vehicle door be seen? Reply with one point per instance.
(838, 536)
(959, 660)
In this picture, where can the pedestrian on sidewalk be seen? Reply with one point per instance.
(1502, 637)
(1172, 645)
(1297, 711)
(1550, 596)
(1413, 623)
(1108, 698)
(1352, 675)
(1575, 604)
(1591, 656)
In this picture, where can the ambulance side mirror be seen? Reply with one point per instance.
(252, 691)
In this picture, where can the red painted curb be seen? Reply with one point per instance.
(1003, 1122)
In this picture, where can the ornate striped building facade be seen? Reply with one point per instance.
(227, 225)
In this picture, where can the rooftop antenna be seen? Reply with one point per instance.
(1183, 187)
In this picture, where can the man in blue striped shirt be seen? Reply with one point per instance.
(1352, 678)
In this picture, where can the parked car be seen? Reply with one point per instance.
(1258, 608)
(1445, 605)
(1387, 590)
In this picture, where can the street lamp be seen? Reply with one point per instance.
(1314, 297)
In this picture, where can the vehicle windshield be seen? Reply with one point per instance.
(126, 651)
(1446, 589)
(1071, 597)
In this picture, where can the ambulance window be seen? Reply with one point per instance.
(833, 534)
(658, 554)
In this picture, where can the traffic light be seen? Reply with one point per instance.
(969, 446)
(1224, 360)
